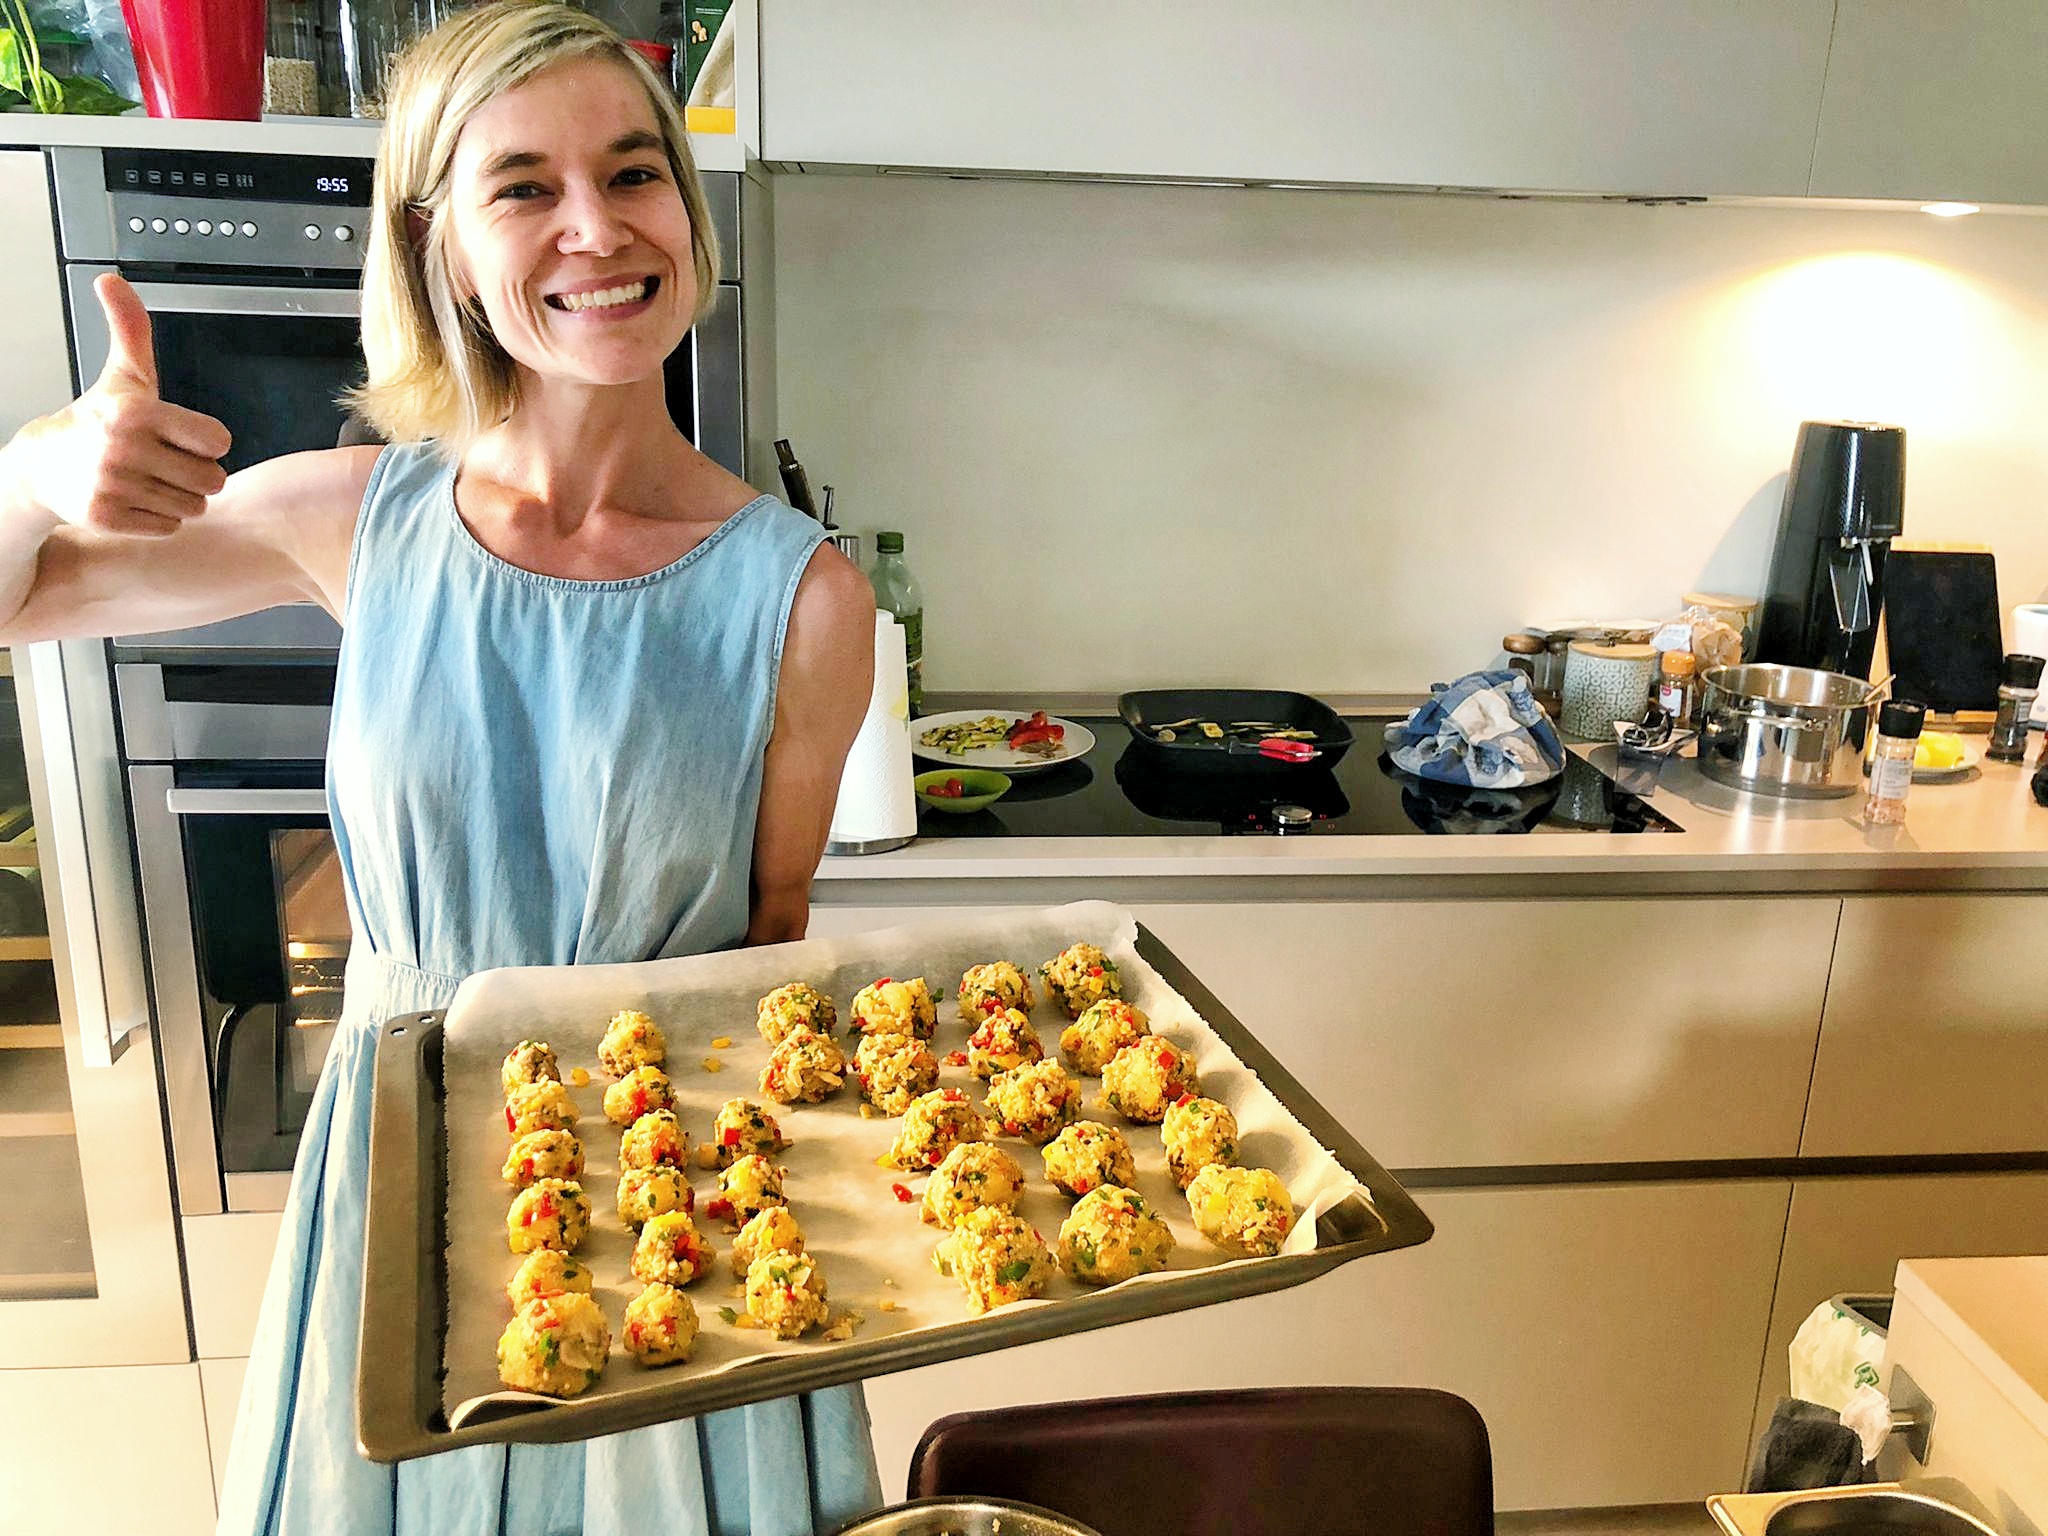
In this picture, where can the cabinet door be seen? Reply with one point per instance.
(1652, 96)
(37, 378)
(1930, 101)
(1848, 1235)
(1607, 1333)
(1936, 1032)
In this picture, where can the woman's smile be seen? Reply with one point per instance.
(611, 299)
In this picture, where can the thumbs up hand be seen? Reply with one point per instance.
(120, 459)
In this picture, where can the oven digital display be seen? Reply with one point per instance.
(341, 182)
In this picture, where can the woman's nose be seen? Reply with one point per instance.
(590, 225)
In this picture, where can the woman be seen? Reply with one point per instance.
(592, 703)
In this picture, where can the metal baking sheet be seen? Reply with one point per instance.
(411, 1404)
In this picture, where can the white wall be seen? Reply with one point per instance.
(1342, 441)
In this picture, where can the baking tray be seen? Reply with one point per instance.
(1147, 710)
(400, 1410)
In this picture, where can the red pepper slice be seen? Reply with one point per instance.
(956, 1059)
(902, 1193)
(510, 1123)
(730, 1137)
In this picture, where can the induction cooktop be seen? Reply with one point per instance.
(1122, 790)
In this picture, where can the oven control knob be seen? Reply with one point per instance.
(181, 226)
(343, 233)
(249, 229)
(225, 227)
(158, 226)
(312, 231)
(204, 226)
(1292, 818)
(136, 226)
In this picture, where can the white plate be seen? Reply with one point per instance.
(1078, 741)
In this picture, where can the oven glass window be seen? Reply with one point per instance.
(273, 380)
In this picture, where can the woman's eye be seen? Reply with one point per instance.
(640, 175)
(518, 191)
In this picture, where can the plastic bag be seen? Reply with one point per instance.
(1832, 1355)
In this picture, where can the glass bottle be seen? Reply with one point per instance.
(897, 591)
(2019, 680)
(372, 32)
(291, 59)
(1675, 686)
(1899, 723)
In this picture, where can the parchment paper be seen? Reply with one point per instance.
(873, 1248)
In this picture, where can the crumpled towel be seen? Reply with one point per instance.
(1486, 729)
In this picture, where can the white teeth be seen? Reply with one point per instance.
(625, 293)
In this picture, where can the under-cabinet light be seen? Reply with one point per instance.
(1949, 210)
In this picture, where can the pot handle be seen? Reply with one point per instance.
(1782, 722)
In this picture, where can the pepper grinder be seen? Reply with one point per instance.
(2018, 681)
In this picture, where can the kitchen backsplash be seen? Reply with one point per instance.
(1138, 435)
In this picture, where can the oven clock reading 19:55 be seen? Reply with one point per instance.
(332, 184)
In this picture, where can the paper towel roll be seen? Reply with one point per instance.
(877, 809)
(2030, 638)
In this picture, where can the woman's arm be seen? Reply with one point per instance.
(828, 673)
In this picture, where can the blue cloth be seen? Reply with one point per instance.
(1486, 730)
(525, 770)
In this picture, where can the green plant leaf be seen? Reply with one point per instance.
(13, 69)
(10, 99)
(87, 97)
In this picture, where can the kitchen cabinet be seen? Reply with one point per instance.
(1608, 1334)
(1646, 97)
(37, 378)
(1849, 1234)
(1935, 1037)
(1935, 101)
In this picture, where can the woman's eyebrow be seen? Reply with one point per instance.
(521, 159)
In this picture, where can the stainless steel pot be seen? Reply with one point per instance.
(964, 1517)
(1784, 730)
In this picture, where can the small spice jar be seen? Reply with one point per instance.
(2019, 680)
(1675, 690)
(1899, 723)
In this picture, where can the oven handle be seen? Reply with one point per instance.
(246, 299)
(246, 802)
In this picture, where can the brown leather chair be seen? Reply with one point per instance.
(1332, 1461)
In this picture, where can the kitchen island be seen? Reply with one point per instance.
(1660, 1093)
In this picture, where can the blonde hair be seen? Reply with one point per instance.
(435, 369)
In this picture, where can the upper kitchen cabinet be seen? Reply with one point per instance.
(1935, 99)
(1652, 97)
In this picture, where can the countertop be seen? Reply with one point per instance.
(1995, 1311)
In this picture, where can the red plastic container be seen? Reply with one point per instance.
(198, 58)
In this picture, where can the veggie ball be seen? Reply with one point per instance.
(641, 1090)
(1078, 976)
(556, 1346)
(975, 1175)
(997, 1256)
(530, 1061)
(991, 988)
(795, 1005)
(1241, 1210)
(764, 1232)
(656, 1140)
(1092, 1041)
(805, 1068)
(1111, 1234)
(746, 1189)
(645, 1193)
(631, 1040)
(1088, 1155)
(547, 1272)
(1035, 1101)
(786, 1293)
(1142, 1081)
(742, 1127)
(1003, 1040)
(891, 1007)
(1197, 1132)
(661, 1326)
(934, 1125)
(894, 1069)
(542, 1106)
(549, 1213)
(671, 1250)
(543, 1155)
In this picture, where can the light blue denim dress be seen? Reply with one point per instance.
(525, 770)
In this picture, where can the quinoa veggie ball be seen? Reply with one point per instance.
(661, 1326)
(974, 1175)
(645, 1193)
(990, 988)
(894, 1069)
(1079, 975)
(742, 1127)
(542, 1106)
(530, 1061)
(1035, 1101)
(549, 1213)
(1143, 1080)
(641, 1090)
(1241, 1210)
(556, 1346)
(997, 1256)
(655, 1140)
(764, 1232)
(1088, 1155)
(934, 1125)
(805, 1068)
(547, 1272)
(1091, 1041)
(1111, 1234)
(891, 1007)
(543, 1155)
(794, 1005)
(671, 1250)
(786, 1293)
(746, 1189)
(1003, 1040)
(631, 1040)
(1197, 1132)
